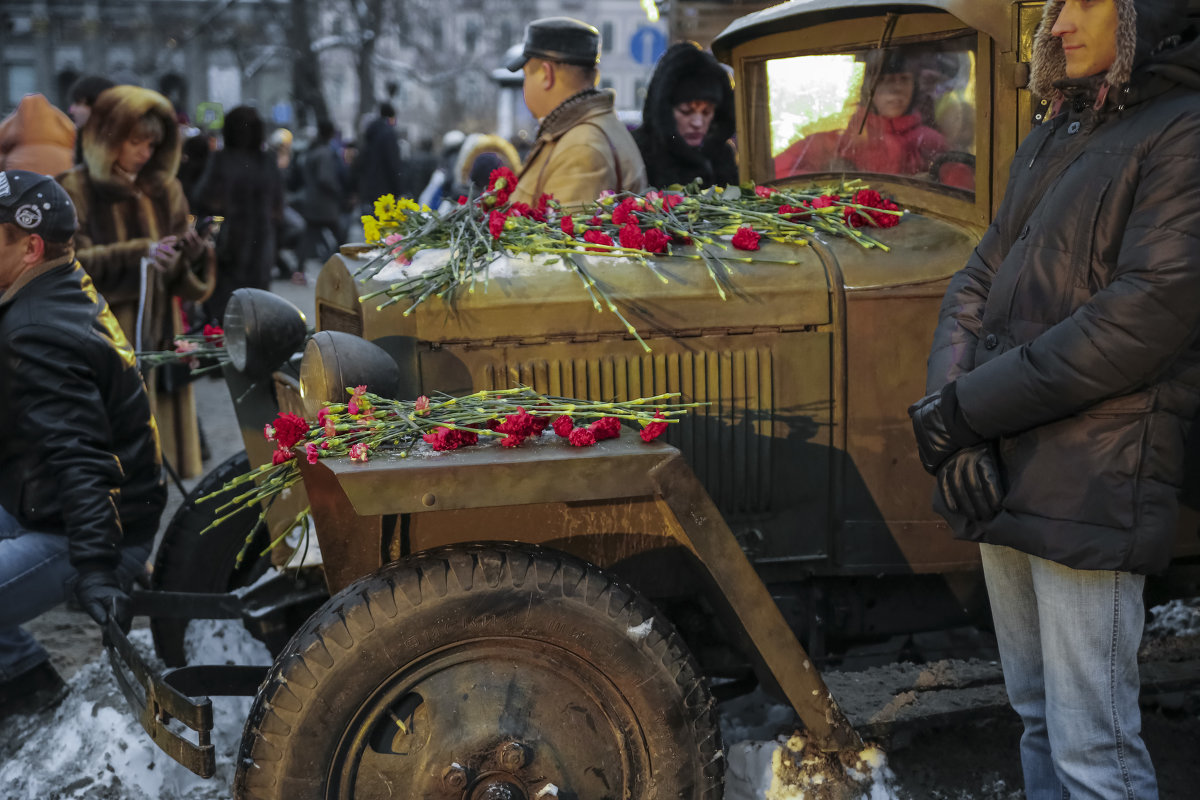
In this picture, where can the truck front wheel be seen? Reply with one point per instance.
(492, 670)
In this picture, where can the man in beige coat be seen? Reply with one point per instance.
(582, 148)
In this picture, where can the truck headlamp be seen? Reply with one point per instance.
(334, 361)
(262, 330)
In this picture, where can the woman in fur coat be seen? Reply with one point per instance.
(137, 244)
(687, 121)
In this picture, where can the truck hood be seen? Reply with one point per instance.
(780, 287)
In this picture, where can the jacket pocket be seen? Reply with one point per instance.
(1084, 468)
(1083, 267)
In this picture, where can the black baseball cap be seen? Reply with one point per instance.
(561, 39)
(37, 204)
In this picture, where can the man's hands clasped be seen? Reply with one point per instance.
(966, 467)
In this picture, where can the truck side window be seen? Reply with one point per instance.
(908, 110)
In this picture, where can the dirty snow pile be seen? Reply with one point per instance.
(92, 748)
(1176, 618)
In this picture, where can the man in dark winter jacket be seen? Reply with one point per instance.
(378, 166)
(1064, 373)
(82, 490)
(687, 120)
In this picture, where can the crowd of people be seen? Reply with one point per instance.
(100, 257)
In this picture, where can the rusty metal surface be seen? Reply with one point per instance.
(476, 477)
(749, 606)
(351, 545)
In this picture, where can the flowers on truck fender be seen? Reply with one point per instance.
(367, 424)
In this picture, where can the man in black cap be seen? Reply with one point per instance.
(82, 490)
(582, 148)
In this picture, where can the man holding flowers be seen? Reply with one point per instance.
(582, 148)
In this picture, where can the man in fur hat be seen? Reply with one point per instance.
(582, 149)
(1064, 374)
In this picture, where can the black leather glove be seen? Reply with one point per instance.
(970, 483)
(101, 596)
(940, 428)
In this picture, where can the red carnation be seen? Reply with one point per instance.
(605, 428)
(672, 200)
(655, 241)
(825, 200)
(794, 213)
(281, 456)
(502, 181)
(582, 437)
(596, 237)
(214, 334)
(858, 218)
(518, 424)
(496, 223)
(290, 429)
(631, 236)
(539, 424)
(462, 199)
(765, 191)
(443, 439)
(564, 425)
(655, 429)
(623, 213)
(512, 440)
(567, 223)
(745, 239)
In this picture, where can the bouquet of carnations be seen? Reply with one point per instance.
(367, 424)
(692, 223)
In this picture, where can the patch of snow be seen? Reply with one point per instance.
(93, 747)
(639, 632)
(549, 790)
(1176, 618)
(506, 265)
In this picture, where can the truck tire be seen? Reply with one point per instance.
(187, 561)
(487, 670)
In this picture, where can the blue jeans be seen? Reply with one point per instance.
(1068, 643)
(35, 576)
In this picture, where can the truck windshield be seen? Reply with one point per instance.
(908, 110)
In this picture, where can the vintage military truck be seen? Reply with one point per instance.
(519, 624)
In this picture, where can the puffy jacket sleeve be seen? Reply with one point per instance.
(58, 399)
(1130, 331)
(961, 315)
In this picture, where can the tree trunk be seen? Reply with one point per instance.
(306, 68)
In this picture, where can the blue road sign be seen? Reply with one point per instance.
(647, 44)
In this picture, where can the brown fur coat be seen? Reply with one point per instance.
(118, 223)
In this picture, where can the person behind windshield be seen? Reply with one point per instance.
(687, 120)
(137, 245)
(889, 137)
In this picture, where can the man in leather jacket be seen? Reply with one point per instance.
(1063, 378)
(82, 490)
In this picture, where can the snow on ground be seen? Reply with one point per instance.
(92, 748)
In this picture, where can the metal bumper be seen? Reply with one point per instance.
(180, 695)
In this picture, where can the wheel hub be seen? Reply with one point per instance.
(498, 787)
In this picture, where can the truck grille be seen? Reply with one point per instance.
(332, 318)
(728, 442)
